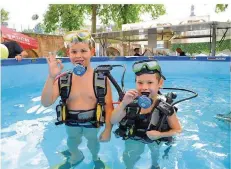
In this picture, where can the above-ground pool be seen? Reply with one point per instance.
(30, 139)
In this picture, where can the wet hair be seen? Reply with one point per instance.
(136, 49)
(178, 49)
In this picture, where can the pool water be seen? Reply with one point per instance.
(30, 139)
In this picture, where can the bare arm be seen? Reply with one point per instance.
(144, 52)
(106, 134)
(175, 126)
(119, 112)
(50, 92)
(109, 106)
(23, 54)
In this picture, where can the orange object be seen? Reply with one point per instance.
(116, 102)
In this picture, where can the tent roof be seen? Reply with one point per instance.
(133, 35)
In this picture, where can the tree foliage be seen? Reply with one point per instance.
(4, 15)
(64, 16)
(204, 47)
(123, 14)
(221, 7)
(39, 28)
(71, 17)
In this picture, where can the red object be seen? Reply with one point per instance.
(24, 41)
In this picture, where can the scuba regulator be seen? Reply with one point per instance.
(144, 101)
(79, 70)
(164, 103)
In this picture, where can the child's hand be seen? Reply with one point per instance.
(153, 134)
(18, 57)
(55, 66)
(129, 96)
(105, 136)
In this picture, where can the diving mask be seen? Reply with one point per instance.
(79, 36)
(147, 66)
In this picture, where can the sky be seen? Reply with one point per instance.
(21, 18)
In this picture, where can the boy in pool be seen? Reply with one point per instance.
(81, 102)
(140, 124)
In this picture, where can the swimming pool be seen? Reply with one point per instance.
(29, 138)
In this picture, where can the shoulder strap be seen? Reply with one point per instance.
(155, 117)
(100, 90)
(100, 87)
(65, 82)
(158, 119)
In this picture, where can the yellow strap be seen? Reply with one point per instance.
(103, 86)
(64, 85)
(98, 112)
(131, 131)
(63, 112)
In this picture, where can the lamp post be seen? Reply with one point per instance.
(34, 18)
(192, 10)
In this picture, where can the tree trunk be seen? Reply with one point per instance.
(93, 18)
(125, 10)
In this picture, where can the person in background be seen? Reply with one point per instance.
(137, 52)
(15, 51)
(180, 52)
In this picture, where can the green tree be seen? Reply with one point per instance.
(71, 17)
(221, 7)
(203, 47)
(68, 17)
(130, 13)
(28, 30)
(39, 28)
(4, 15)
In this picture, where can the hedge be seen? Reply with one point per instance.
(198, 48)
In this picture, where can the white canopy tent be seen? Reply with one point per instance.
(211, 30)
